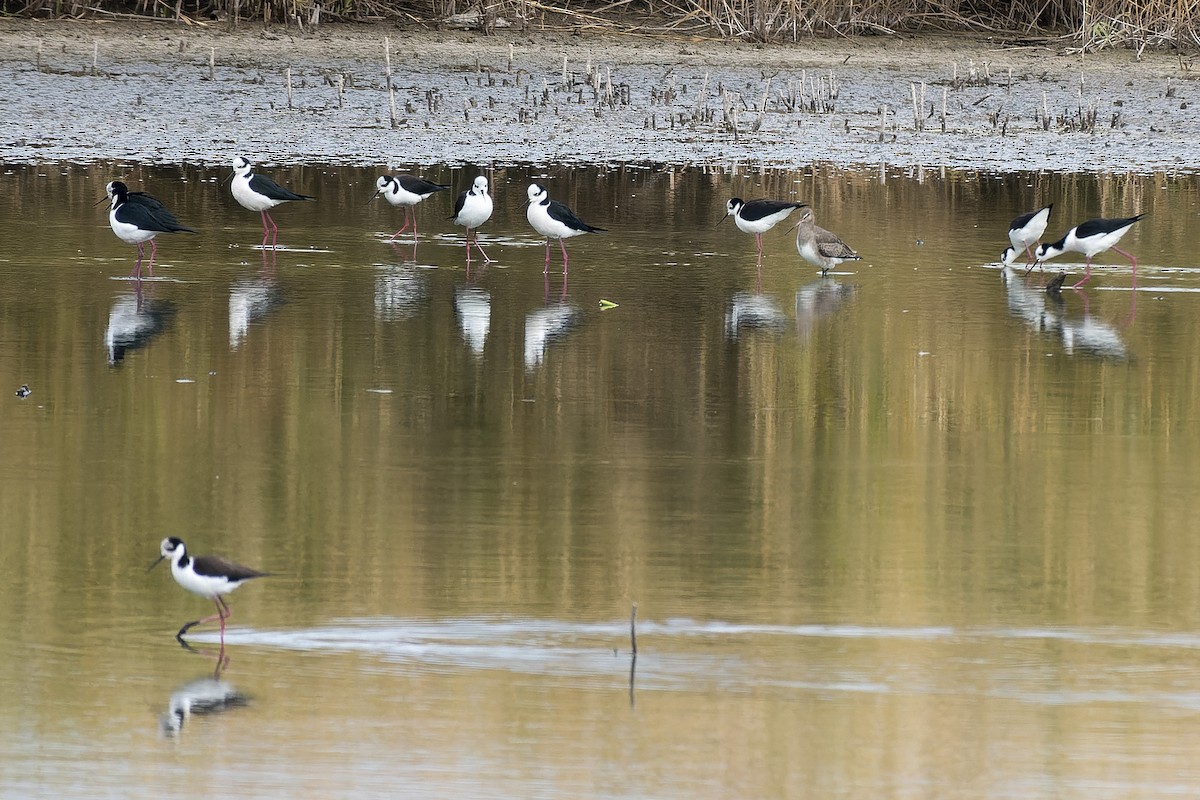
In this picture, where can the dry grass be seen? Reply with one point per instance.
(1081, 24)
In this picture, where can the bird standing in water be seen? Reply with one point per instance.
(259, 193)
(819, 246)
(473, 208)
(207, 576)
(554, 220)
(136, 218)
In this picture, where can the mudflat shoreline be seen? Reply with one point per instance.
(166, 93)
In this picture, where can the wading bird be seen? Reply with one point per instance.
(406, 191)
(473, 208)
(1091, 238)
(758, 216)
(819, 246)
(554, 220)
(1024, 232)
(136, 218)
(207, 576)
(259, 193)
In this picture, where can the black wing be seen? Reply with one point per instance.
(1099, 227)
(215, 566)
(1024, 219)
(459, 203)
(758, 209)
(567, 217)
(419, 185)
(148, 218)
(269, 188)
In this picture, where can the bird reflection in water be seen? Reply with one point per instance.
(134, 319)
(1044, 311)
(548, 324)
(820, 299)
(250, 299)
(400, 291)
(1029, 303)
(203, 696)
(473, 309)
(753, 312)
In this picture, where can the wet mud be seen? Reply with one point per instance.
(164, 94)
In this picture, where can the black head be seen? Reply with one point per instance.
(116, 191)
(538, 194)
(167, 549)
(383, 183)
(732, 207)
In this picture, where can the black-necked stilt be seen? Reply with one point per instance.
(259, 193)
(473, 208)
(554, 220)
(758, 216)
(1091, 238)
(819, 246)
(207, 576)
(136, 218)
(1024, 232)
(407, 191)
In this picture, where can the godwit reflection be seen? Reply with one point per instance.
(819, 299)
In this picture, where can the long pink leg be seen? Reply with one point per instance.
(468, 246)
(137, 265)
(486, 260)
(270, 230)
(1029, 262)
(153, 253)
(407, 209)
(563, 244)
(224, 612)
(1087, 272)
(1132, 261)
(546, 269)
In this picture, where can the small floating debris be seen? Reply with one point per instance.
(380, 391)
(185, 380)
(24, 391)
(605, 305)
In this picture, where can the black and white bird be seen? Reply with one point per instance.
(207, 576)
(260, 193)
(406, 191)
(1024, 232)
(554, 220)
(819, 246)
(1091, 238)
(473, 208)
(758, 216)
(136, 218)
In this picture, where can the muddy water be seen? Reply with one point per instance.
(914, 530)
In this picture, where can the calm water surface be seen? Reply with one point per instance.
(915, 530)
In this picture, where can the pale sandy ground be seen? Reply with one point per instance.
(150, 99)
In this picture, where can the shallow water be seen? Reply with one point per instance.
(914, 530)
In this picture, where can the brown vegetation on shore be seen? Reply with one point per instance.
(1086, 26)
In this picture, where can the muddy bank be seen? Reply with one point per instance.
(82, 91)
